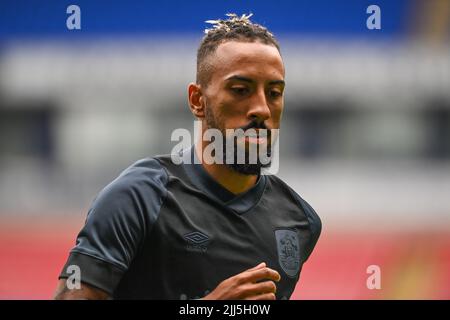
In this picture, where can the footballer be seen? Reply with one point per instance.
(202, 229)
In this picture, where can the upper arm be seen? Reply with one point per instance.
(85, 292)
(315, 225)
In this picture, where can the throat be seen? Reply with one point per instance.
(228, 178)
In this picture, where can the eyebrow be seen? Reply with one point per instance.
(248, 80)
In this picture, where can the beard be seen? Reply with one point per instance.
(245, 167)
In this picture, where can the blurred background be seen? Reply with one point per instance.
(365, 137)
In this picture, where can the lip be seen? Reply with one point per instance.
(254, 133)
(256, 139)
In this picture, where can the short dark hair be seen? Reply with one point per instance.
(234, 28)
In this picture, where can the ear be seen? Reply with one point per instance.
(195, 99)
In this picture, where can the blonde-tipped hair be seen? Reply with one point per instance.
(234, 28)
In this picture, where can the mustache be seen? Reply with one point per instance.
(254, 125)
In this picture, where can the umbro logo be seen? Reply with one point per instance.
(196, 241)
(196, 237)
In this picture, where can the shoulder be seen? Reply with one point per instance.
(118, 221)
(123, 212)
(313, 218)
(137, 192)
(148, 170)
(140, 177)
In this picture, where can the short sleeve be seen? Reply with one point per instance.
(118, 221)
(315, 225)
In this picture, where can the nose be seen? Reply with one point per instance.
(259, 109)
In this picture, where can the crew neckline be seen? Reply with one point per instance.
(240, 203)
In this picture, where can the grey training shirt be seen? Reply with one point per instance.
(167, 231)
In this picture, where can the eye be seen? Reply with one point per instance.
(240, 91)
(275, 94)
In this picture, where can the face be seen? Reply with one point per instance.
(245, 90)
(247, 84)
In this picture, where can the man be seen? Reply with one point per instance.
(211, 230)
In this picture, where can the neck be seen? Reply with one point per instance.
(231, 180)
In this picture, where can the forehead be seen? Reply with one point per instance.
(252, 59)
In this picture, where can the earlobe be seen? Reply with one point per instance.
(196, 102)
